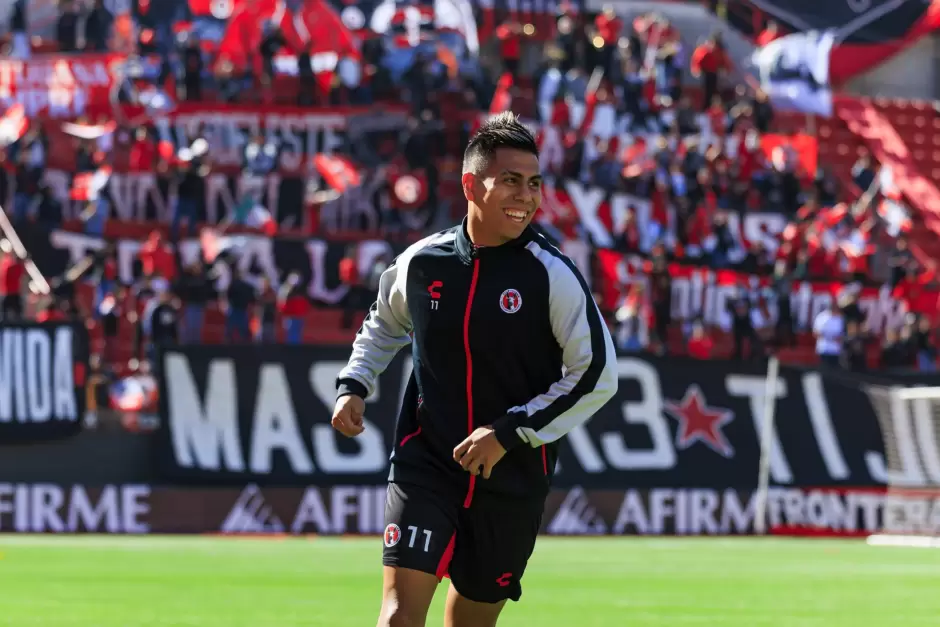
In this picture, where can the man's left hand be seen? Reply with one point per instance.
(479, 452)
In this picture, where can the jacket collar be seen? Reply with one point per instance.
(467, 251)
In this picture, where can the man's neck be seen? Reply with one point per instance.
(478, 233)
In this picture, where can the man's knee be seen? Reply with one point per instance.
(398, 615)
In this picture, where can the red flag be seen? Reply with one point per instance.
(87, 186)
(339, 172)
(803, 146)
(502, 98)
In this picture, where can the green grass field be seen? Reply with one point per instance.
(219, 582)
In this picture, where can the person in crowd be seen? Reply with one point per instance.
(194, 288)
(924, 343)
(160, 323)
(67, 28)
(294, 307)
(782, 288)
(190, 175)
(237, 304)
(633, 319)
(710, 63)
(111, 310)
(349, 275)
(20, 47)
(699, 345)
(743, 328)
(266, 313)
(98, 25)
(829, 329)
(854, 357)
(661, 299)
(12, 274)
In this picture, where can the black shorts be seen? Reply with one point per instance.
(483, 549)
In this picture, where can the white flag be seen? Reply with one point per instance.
(794, 71)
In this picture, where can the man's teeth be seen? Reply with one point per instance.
(517, 216)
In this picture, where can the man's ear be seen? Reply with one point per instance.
(467, 181)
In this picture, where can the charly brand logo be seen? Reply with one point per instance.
(510, 301)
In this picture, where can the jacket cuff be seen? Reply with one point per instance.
(348, 386)
(505, 430)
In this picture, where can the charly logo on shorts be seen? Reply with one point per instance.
(392, 535)
(510, 301)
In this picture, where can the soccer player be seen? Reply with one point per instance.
(510, 353)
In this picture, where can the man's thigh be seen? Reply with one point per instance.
(495, 539)
(419, 529)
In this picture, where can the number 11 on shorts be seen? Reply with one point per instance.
(414, 534)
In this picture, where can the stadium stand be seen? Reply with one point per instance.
(632, 122)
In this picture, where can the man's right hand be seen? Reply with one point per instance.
(347, 415)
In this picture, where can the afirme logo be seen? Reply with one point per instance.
(251, 514)
(48, 508)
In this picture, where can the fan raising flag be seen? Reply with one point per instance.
(794, 71)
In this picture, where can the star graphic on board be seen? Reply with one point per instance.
(700, 423)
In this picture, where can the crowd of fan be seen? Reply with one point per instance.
(614, 113)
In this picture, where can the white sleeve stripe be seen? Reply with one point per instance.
(588, 351)
(387, 325)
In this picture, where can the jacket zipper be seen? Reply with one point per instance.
(466, 347)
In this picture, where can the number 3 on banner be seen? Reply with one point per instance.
(414, 534)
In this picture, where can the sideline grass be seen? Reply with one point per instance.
(98, 581)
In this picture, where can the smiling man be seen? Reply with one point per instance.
(510, 353)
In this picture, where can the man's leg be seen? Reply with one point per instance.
(419, 542)
(406, 597)
(495, 538)
(462, 612)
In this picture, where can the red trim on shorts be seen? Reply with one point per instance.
(409, 436)
(444, 565)
(544, 458)
(466, 347)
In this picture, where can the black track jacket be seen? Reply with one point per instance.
(507, 336)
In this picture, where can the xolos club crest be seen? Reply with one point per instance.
(392, 535)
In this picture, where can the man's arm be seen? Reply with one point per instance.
(590, 373)
(384, 332)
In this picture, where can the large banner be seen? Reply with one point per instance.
(706, 293)
(60, 86)
(42, 372)
(604, 215)
(296, 134)
(139, 508)
(262, 414)
(315, 260)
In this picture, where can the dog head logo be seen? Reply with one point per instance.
(510, 301)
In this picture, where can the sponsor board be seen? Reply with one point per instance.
(42, 370)
(51, 508)
(262, 414)
(359, 510)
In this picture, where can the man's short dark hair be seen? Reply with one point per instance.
(501, 131)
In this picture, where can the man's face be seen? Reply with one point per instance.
(508, 192)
